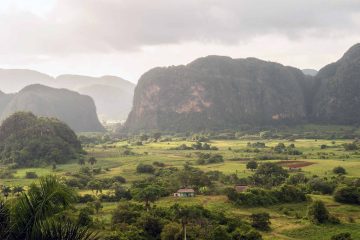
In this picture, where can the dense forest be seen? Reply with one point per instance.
(27, 140)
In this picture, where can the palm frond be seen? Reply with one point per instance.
(58, 230)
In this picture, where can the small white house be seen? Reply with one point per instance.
(185, 192)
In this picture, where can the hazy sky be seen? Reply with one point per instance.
(128, 37)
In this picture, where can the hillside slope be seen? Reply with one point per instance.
(78, 111)
(337, 99)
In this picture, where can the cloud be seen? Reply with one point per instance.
(105, 26)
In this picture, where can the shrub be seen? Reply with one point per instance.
(242, 234)
(84, 218)
(171, 231)
(6, 173)
(269, 174)
(159, 164)
(31, 175)
(339, 170)
(252, 165)
(342, 236)
(347, 194)
(350, 146)
(318, 213)
(261, 221)
(86, 198)
(145, 168)
(321, 185)
(262, 197)
(207, 158)
(119, 179)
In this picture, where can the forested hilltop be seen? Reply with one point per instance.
(28, 141)
(220, 93)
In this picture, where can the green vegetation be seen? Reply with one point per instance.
(30, 141)
(126, 197)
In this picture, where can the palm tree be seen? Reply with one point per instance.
(4, 220)
(81, 161)
(64, 231)
(33, 214)
(92, 161)
(185, 214)
(41, 202)
(17, 190)
(6, 190)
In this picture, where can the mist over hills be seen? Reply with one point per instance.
(310, 72)
(220, 92)
(113, 96)
(77, 110)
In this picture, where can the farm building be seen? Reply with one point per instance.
(185, 192)
(241, 188)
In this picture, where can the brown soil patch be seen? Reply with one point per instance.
(294, 164)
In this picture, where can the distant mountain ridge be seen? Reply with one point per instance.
(118, 100)
(218, 92)
(77, 110)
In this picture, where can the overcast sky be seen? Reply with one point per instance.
(128, 37)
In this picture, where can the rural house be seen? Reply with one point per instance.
(185, 192)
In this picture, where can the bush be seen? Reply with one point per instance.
(119, 179)
(350, 146)
(252, 165)
(159, 164)
(262, 197)
(86, 198)
(321, 185)
(145, 168)
(342, 236)
(318, 213)
(6, 173)
(339, 170)
(269, 174)
(31, 175)
(261, 221)
(171, 231)
(347, 194)
(242, 234)
(207, 158)
(84, 218)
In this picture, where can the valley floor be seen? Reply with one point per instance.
(287, 220)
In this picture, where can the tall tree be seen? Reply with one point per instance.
(149, 194)
(184, 214)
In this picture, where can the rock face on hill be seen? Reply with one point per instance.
(220, 92)
(29, 141)
(217, 93)
(337, 99)
(78, 111)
